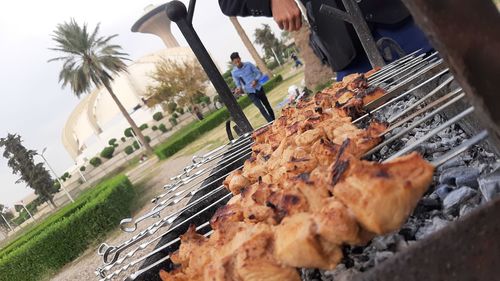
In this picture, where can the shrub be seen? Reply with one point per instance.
(67, 234)
(163, 128)
(171, 106)
(272, 83)
(147, 139)
(154, 128)
(107, 152)
(129, 150)
(82, 168)
(143, 127)
(173, 121)
(123, 139)
(194, 130)
(96, 161)
(128, 132)
(180, 110)
(136, 145)
(65, 176)
(272, 65)
(175, 115)
(112, 142)
(158, 116)
(205, 100)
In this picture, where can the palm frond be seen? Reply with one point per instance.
(87, 57)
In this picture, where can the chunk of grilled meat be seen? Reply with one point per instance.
(236, 251)
(235, 182)
(382, 196)
(304, 193)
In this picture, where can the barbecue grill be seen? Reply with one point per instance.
(427, 111)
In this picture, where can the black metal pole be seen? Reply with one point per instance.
(354, 16)
(364, 33)
(177, 12)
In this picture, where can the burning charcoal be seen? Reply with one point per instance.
(468, 179)
(431, 227)
(409, 230)
(457, 197)
(382, 256)
(430, 203)
(340, 273)
(490, 186)
(310, 274)
(384, 242)
(466, 208)
(443, 190)
(449, 176)
(452, 163)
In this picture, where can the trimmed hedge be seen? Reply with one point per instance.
(191, 132)
(272, 83)
(157, 116)
(128, 132)
(96, 161)
(65, 238)
(163, 128)
(107, 152)
(129, 150)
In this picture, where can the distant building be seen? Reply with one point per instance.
(96, 118)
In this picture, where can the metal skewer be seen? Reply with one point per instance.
(432, 133)
(413, 125)
(129, 225)
(409, 72)
(395, 71)
(402, 95)
(414, 105)
(102, 271)
(393, 92)
(393, 64)
(461, 148)
(115, 258)
(142, 271)
(105, 250)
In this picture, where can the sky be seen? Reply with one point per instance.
(32, 102)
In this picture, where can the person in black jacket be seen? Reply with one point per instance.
(333, 40)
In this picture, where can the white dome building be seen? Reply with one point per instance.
(96, 119)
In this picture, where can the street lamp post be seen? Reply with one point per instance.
(57, 178)
(80, 172)
(8, 224)
(26, 209)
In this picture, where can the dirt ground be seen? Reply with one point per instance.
(85, 266)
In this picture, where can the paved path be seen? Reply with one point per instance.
(83, 268)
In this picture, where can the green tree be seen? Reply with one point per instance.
(179, 82)
(265, 37)
(20, 160)
(90, 60)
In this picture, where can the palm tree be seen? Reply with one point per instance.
(90, 60)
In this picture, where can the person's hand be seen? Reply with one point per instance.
(287, 14)
(254, 83)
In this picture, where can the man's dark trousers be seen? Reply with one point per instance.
(260, 100)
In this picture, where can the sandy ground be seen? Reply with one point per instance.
(85, 266)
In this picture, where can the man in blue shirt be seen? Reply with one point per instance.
(246, 77)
